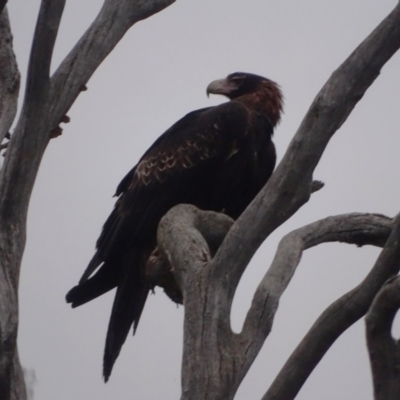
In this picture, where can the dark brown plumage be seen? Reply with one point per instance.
(217, 158)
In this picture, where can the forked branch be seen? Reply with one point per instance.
(47, 99)
(212, 352)
(358, 229)
(338, 317)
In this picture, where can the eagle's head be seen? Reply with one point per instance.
(262, 93)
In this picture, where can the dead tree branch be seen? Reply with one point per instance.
(291, 184)
(208, 335)
(213, 228)
(11, 377)
(359, 229)
(16, 180)
(47, 99)
(338, 317)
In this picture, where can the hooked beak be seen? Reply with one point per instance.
(220, 86)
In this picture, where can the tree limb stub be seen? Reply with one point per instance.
(290, 185)
(212, 352)
(338, 317)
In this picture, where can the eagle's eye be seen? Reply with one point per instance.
(237, 78)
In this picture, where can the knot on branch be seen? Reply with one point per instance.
(57, 131)
(186, 235)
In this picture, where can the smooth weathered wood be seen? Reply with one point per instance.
(340, 315)
(16, 182)
(180, 238)
(215, 360)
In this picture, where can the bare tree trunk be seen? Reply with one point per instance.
(11, 377)
(47, 99)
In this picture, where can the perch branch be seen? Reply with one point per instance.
(180, 238)
(384, 351)
(206, 329)
(212, 226)
(187, 235)
(338, 317)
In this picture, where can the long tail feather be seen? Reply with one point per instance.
(103, 281)
(127, 308)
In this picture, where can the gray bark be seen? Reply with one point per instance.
(215, 359)
(11, 377)
(47, 99)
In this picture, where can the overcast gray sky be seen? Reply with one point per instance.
(157, 73)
